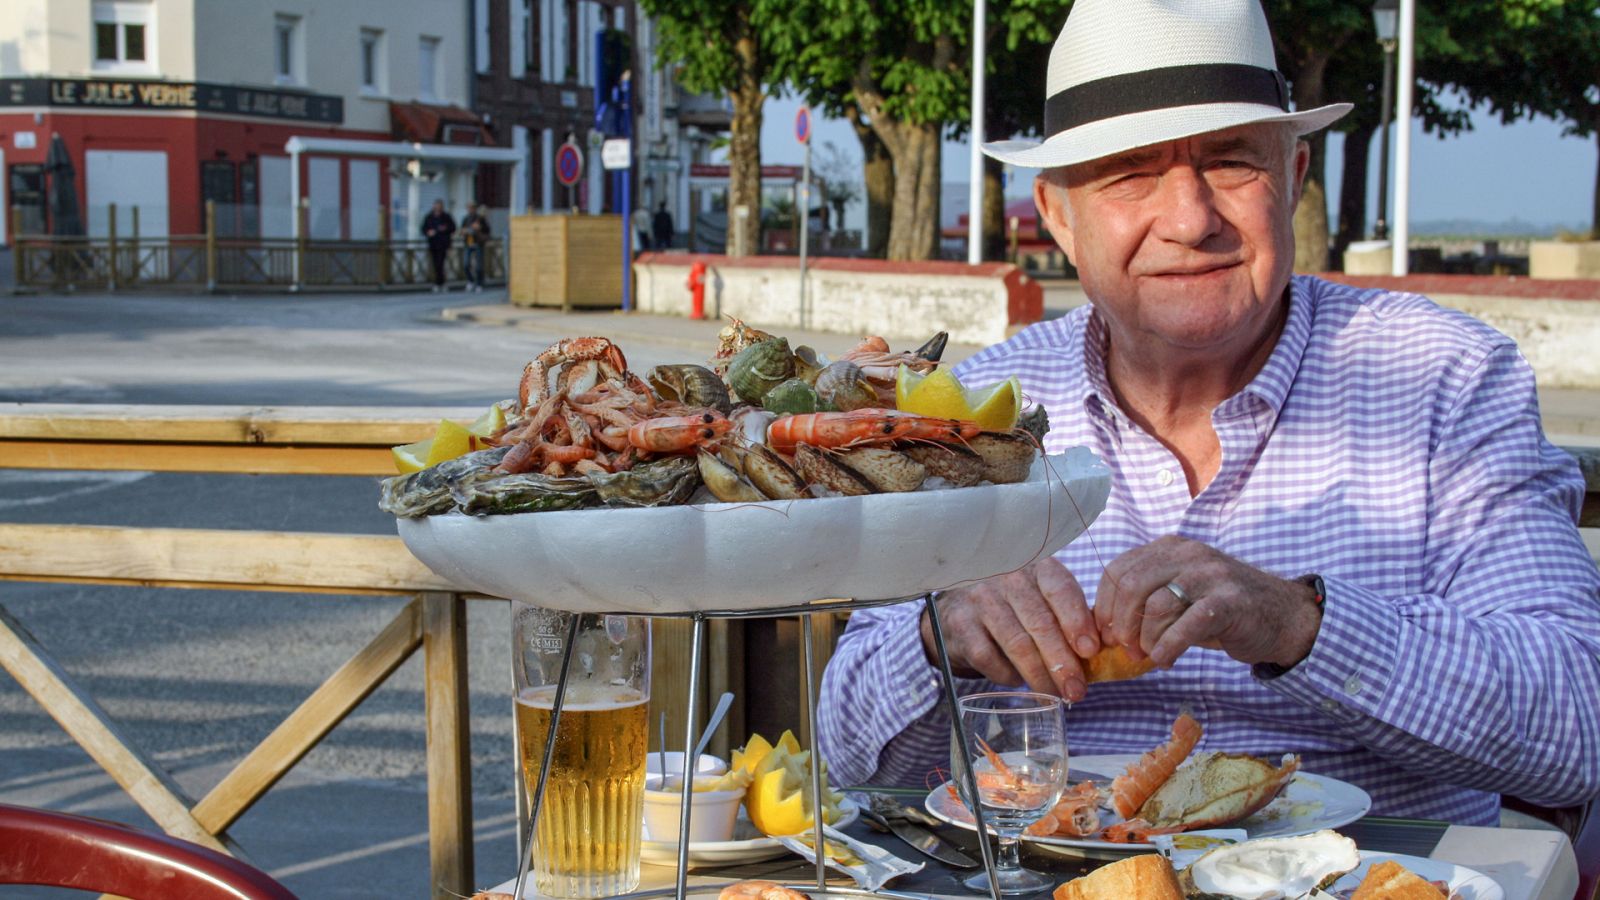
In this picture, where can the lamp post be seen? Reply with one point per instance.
(1385, 14)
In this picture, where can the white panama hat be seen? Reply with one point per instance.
(1131, 73)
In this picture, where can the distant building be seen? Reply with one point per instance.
(165, 104)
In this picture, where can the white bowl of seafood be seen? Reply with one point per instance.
(768, 478)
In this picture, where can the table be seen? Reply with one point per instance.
(1528, 864)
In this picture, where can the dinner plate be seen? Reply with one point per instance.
(1310, 803)
(748, 844)
(1465, 883)
(751, 556)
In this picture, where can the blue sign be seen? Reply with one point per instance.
(802, 125)
(569, 164)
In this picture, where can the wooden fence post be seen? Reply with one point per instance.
(18, 273)
(383, 247)
(211, 246)
(111, 253)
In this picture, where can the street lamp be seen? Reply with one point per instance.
(1385, 17)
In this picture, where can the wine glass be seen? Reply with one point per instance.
(1016, 746)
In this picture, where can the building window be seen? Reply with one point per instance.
(286, 53)
(372, 68)
(428, 68)
(529, 37)
(124, 36)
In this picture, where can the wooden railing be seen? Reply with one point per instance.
(321, 441)
(210, 262)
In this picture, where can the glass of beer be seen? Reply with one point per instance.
(592, 815)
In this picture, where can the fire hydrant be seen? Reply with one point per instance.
(697, 290)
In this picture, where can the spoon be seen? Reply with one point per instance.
(661, 748)
(711, 725)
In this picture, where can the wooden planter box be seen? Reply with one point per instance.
(1564, 259)
(566, 261)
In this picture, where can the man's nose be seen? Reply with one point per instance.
(1188, 209)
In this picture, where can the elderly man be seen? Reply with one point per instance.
(1334, 522)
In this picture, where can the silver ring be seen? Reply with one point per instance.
(1178, 592)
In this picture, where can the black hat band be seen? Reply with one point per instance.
(1164, 88)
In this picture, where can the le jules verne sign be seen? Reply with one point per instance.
(78, 93)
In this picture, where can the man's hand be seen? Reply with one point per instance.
(1226, 605)
(1016, 628)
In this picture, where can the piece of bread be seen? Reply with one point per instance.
(1145, 877)
(1388, 880)
(1113, 664)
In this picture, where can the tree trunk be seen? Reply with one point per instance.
(877, 170)
(914, 148)
(1311, 217)
(1594, 213)
(744, 153)
(1353, 189)
(996, 230)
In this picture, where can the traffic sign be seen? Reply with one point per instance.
(802, 125)
(616, 153)
(569, 164)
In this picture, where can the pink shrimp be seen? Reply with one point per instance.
(1132, 788)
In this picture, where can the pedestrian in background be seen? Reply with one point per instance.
(663, 227)
(474, 235)
(641, 227)
(438, 228)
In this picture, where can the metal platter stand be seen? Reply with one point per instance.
(696, 650)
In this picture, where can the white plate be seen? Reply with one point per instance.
(747, 556)
(1310, 803)
(1465, 883)
(749, 845)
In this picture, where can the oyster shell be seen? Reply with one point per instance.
(1272, 868)
(952, 462)
(662, 482)
(486, 493)
(691, 385)
(1035, 422)
(1007, 455)
(759, 368)
(427, 492)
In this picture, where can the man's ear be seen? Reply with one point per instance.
(1302, 164)
(1051, 200)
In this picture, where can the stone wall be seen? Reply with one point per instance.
(900, 301)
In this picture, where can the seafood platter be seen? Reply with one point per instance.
(1123, 804)
(768, 477)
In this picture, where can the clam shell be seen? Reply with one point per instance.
(842, 386)
(889, 471)
(690, 385)
(663, 482)
(759, 368)
(820, 468)
(952, 462)
(791, 397)
(1007, 455)
(725, 482)
(772, 475)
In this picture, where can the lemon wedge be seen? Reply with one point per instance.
(449, 441)
(778, 799)
(940, 394)
(492, 420)
(996, 408)
(410, 458)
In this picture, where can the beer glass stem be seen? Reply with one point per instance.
(549, 752)
(948, 680)
(809, 661)
(697, 631)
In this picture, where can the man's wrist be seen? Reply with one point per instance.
(1302, 633)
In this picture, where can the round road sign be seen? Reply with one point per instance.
(569, 164)
(802, 124)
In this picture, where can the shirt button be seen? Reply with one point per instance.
(1352, 685)
(1165, 477)
(1330, 705)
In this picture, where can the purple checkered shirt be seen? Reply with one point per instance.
(1390, 445)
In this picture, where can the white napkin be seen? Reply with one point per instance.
(878, 866)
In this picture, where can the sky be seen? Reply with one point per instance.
(1494, 173)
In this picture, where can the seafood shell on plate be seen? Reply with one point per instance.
(1271, 868)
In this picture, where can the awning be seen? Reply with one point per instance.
(400, 150)
(428, 124)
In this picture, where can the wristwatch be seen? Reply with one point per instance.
(1269, 670)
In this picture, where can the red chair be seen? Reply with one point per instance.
(63, 850)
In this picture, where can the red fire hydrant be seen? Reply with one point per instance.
(697, 290)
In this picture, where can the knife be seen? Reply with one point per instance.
(923, 840)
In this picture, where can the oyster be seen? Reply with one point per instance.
(691, 385)
(1007, 455)
(486, 493)
(952, 462)
(663, 482)
(1272, 868)
(842, 386)
(759, 368)
(792, 397)
(427, 492)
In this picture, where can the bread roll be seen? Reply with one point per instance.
(1145, 877)
(1388, 880)
(1113, 664)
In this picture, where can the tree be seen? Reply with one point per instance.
(718, 48)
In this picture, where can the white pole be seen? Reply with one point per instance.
(975, 169)
(803, 213)
(1402, 125)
